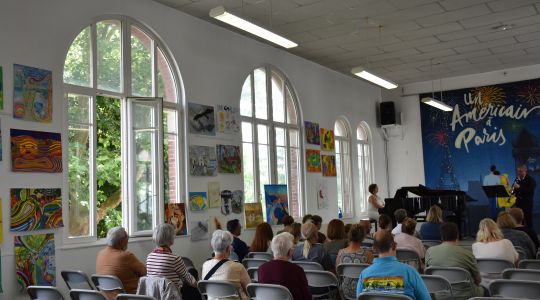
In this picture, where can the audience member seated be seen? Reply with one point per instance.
(517, 214)
(335, 238)
(518, 238)
(283, 272)
(317, 220)
(355, 253)
(386, 270)
(263, 237)
(115, 260)
(161, 262)
(287, 223)
(430, 230)
(407, 240)
(348, 227)
(221, 268)
(296, 231)
(309, 250)
(240, 247)
(490, 243)
(399, 215)
(385, 223)
(450, 254)
(306, 218)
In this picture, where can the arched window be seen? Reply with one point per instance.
(271, 143)
(122, 94)
(365, 173)
(343, 167)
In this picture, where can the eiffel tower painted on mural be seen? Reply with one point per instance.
(447, 178)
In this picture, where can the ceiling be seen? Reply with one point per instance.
(403, 40)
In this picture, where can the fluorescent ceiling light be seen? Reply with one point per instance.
(436, 103)
(222, 15)
(360, 72)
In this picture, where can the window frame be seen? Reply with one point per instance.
(348, 172)
(366, 160)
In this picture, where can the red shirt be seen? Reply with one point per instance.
(286, 274)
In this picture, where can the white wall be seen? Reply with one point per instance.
(213, 63)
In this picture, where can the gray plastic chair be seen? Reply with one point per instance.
(408, 256)
(218, 289)
(260, 255)
(321, 283)
(381, 296)
(252, 272)
(44, 293)
(521, 274)
(430, 243)
(309, 265)
(454, 275)
(77, 294)
(437, 284)
(529, 264)
(76, 279)
(268, 292)
(107, 283)
(253, 262)
(493, 266)
(515, 288)
(188, 262)
(133, 297)
(351, 271)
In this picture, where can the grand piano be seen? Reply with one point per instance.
(451, 201)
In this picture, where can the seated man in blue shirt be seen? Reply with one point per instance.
(388, 275)
(239, 246)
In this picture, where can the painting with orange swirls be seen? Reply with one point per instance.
(313, 160)
(32, 94)
(36, 151)
(34, 209)
(327, 139)
(35, 260)
(329, 165)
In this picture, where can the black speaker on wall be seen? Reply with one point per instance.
(387, 113)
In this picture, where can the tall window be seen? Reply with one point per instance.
(123, 110)
(270, 137)
(343, 167)
(365, 173)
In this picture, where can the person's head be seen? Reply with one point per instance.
(263, 236)
(385, 222)
(317, 220)
(309, 233)
(347, 228)
(296, 231)
(384, 244)
(306, 218)
(517, 214)
(287, 220)
(488, 231)
(408, 226)
(356, 234)
(435, 215)
(449, 232)
(493, 168)
(506, 221)
(163, 235)
(282, 245)
(522, 171)
(234, 227)
(335, 230)
(117, 238)
(366, 225)
(221, 242)
(400, 215)
(373, 188)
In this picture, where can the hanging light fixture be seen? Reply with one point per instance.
(431, 100)
(362, 73)
(221, 14)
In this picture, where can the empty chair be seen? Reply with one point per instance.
(309, 265)
(463, 286)
(348, 274)
(381, 296)
(133, 297)
(529, 264)
(253, 262)
(77, 294)
(76, 279)
(268, 292)
(437, 285)
(252, 272)
(44, 293)
(409, 257)
(321, 283)
(515, 288)
(260, 255)
(107, 283)
(521, 274)
(218, 289)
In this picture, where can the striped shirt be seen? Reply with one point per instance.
(170, 266)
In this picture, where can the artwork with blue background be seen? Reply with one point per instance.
(489, 125)
(277, 203)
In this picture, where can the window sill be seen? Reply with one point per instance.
(102, 242)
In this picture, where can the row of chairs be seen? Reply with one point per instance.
(52, 293)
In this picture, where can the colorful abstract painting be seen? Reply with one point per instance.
(277, 203)
(36, 151)
(312, 133)
(0, 140)
(322, 194)
(202, 161)
(197, 201)
(327, 139)
(253, 213)
(329, 165)
(229, 159)
(226, 197)
(175, 214)
(1, 89)
(228, 119)
(35, 260)
(34, 209)
(214, 196)
(313, 160)
(32, 94)
(199, 230)
(201, 119)
(237, 201)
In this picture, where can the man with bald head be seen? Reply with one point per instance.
(523, 188)
(388, 275)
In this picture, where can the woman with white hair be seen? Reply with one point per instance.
(309, 250)
(162, 262)
(281, 271)
(221, 268)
